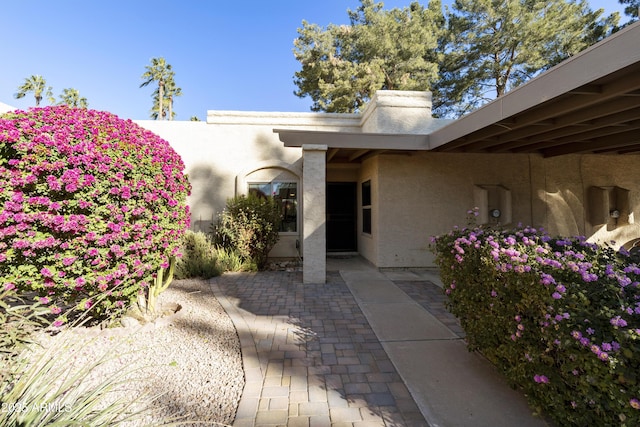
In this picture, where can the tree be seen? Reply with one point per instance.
(496, 45)
(36, 84)
(72, 98)
(633, 8)
(343, 65)
(170, 92)
(161, 72)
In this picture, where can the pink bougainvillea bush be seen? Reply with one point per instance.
(90, 207)
(559, 316)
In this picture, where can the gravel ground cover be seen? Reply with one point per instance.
(190, 361)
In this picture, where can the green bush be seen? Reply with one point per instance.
(249, 225)
(229, 260)
(199, 257)
(559, 316)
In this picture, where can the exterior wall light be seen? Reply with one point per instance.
(614, 214)
(495, 213)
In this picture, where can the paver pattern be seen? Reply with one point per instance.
(311, 358)
(431, 298)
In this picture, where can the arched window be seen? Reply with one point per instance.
(282, 185)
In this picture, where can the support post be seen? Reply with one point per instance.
(314, 188)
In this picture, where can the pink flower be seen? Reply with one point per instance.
(9, 286)
(541, 379)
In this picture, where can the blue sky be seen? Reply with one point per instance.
(226, 55)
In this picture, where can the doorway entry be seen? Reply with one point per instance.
(342, 217)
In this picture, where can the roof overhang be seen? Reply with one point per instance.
(589, 103)
(349, 147)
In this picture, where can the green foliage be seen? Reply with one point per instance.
(560, 317)
(36, 84)
(632, 8)
(480, 50)
(230, 260)
(495, 46)
(199, 257)
(161, 72)
(343, 65)
(49, 391)
(50, 386)
(249, 226)
(17, 322)
(72, 98)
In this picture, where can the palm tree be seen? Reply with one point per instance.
(36, 84)
(159, 71)
(71, 97)
(171, 91)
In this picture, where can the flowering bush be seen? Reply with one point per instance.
(559, 316)
(89, 204)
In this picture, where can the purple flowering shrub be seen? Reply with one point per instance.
(91, 206)
(559, 316)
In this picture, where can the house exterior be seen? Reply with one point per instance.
(560, 152)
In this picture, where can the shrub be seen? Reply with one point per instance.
(18, 321)
(249, 225)
(91, 204)
(199, 257)
(54, 386)
(229, 260)
(559, 316)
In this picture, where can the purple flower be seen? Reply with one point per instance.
(618, 321)
(635, 403)
(556, 295)
(547, 279)
(541, 379)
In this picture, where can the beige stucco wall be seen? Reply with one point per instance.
(414, 196)
(421, 195)
(232, 148)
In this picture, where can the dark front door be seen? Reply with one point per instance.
(341, 217)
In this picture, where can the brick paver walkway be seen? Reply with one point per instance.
(310, 357)
(432, 299)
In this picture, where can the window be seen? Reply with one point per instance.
(286, 196)
(366, 207)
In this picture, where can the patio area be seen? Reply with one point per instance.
(364, 349)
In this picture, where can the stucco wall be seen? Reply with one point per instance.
(427, 194)
(414, 196)
(219, 159)
(568, 197)
(232, 148)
